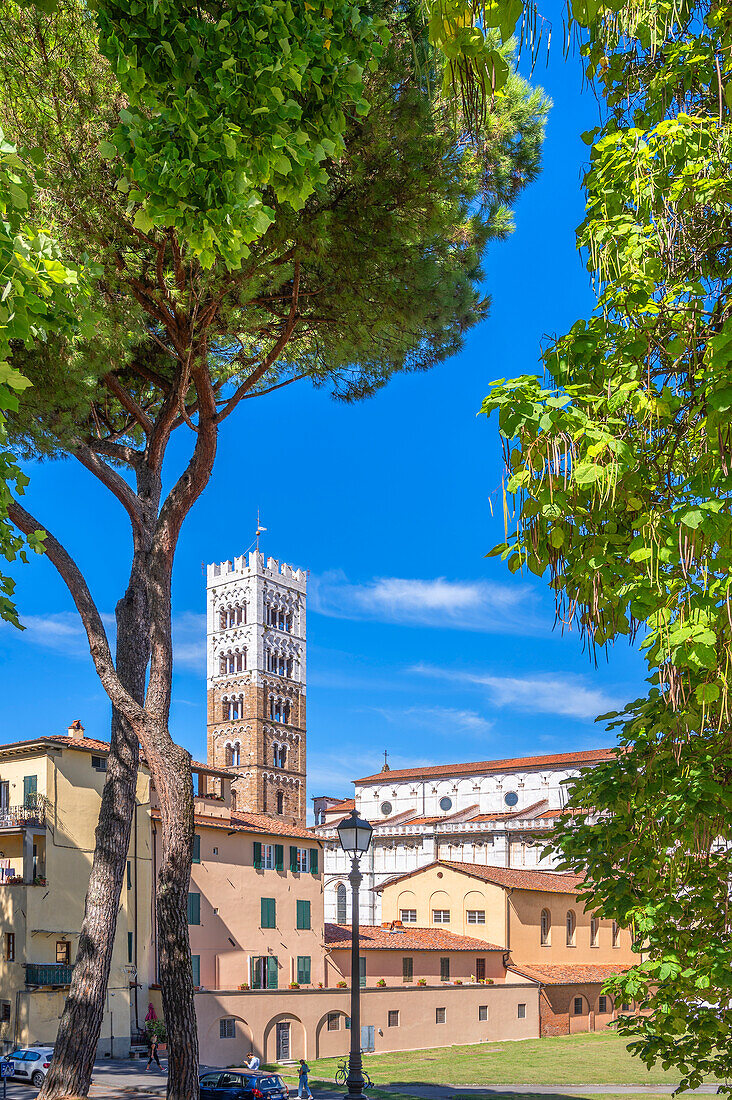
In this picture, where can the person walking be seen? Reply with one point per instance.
(154, 1044)
(303, 1088)
(252, 1061)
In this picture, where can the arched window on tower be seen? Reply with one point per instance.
(232, 616)
(546, 927)
(236, 755)
(286, 712)
(341, 916)
(571, 926)
(280, 802)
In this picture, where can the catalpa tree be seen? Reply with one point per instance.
(266, 194)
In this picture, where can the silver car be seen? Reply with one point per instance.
(31, 1063)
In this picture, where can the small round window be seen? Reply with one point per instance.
(386, 808)
(445, 803)
(511, 798)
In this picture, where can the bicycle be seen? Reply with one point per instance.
(342, 1075)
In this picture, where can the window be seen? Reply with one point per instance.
(227, 1028)
(511, 798)
(578, 1005)
(196, 968)
(4, 1012)
(99, 763)
(444, 970)
(482, 1012)
(268, 913)
(593, 931)
(571, 928)
(129, 874)
(280, 802)
(341, 897)
(385, 808)
(130, 946)
(393, 1017)
(30, 789)
(268, 857)
(521, 1013)
(362, 971)
(348, 1023)
(194, 908)
(408, 969)
(196, 848)
(303, 914)
(63, 952)
(546, 928)
(625, 1008)
(303, 969)
(334, 1021)
(10, 947)
(476, 916)
(440, 916)
(264, 972)
(480, 969)
(303, 860)
(440, 1015)
(445, 804)
(279, 756)
(409, 916)
(602, 1005)
(616, 934)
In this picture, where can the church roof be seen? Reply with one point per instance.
(517, 878)
(575, 974)
(378, 938)
(488, 767)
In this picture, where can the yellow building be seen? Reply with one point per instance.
(539, 920)
(50, 794)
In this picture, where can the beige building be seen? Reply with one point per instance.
(539, 920)
(50, 794)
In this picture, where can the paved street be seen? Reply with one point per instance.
(120, 1079)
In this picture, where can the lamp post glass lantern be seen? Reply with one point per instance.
(354, 835)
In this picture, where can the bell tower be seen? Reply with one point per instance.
(255, 653)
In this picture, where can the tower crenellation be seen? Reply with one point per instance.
(256, 674)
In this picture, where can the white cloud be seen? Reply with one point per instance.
(63, 633)
(461, 605)
(568, 695)
(448, 720)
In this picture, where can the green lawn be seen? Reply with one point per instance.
(599, 1059)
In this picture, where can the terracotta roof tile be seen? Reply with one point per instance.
(552, 882)
(93, 744)
(376, 938)
(528, 811)
(487, 767)
(568, 975)
(250, 823)
(549, 881)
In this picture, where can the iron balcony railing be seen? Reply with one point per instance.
(32, 812)
(48, 973)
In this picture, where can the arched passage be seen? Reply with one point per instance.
(285, 1038)
(330, 1040)
(230, 1038)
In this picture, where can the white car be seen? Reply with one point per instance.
(31, 1063)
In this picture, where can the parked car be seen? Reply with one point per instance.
(31, 1063)
(242, 1084)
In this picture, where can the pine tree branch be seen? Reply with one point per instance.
(116, 484)
(128, 403)
(88, 611)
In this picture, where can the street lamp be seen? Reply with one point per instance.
(354, 835)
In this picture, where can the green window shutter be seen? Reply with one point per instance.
(362, 970)
(293, 858)
(268, 913)
(129, 875)
(303, 914)
(407, 968)
(257, 855)
(271, 972)
(196, 849)
(303, 969)
(130, 945)
(313, 861)
(196, 967)
(30, 787)
(279, 857)
(194, 908)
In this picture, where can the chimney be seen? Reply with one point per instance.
(76, 730)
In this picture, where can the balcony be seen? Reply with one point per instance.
(48, 973)
(32, 812)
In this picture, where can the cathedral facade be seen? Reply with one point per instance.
(256, 674)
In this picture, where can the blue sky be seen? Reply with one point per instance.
(417, 642)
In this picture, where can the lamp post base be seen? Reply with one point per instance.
(355, 1081)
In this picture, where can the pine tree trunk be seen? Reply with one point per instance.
(176, 975)
(80, 1026)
